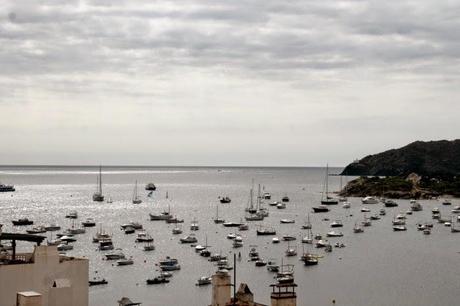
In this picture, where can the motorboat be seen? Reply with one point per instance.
(97, 281)
(144, 237)
(174, 220)
(105, 245)
(366, 222)
(285, 199)
(89, 222)
(204, 280)
(101, 235)
(64, 246)
(254, 217)
(398, 228)
(22, 221)
(281, 205)
(168, 261)
(216, 257)
(205, 253)
(409, 212)
(336, 223)
(446, 202)
(177, 230)
(115, 256)
(275, 240)
(129, 230)
(125, 262)
(160, 217)
(225, 200)
(289, 238)
(52, 227)
(231, 224)
(382, 212)
(415, 206)
(286, 221)
(339, 245)
(365, 209)
(150, 187)
(135, 225)
(149, 247)
(237, 242)
(390, 203)
(72, 215)
(427, 231)
(290, 251)
(75, 230)
(253, 253)
(267, 196)
(188, 239)
(243, 227)
(320, 209)
(346, 205)
(456, 210)
(194, 225)
(7, 188)
(170, 267)
(375, 217)
(358, 229)
(274, 203)
(309, 259)
(369, 200)
(265, 231)
(67, 238)
(36, 230)
(157, 280)
(260, 263)
(334, 234)
(399, 222)
(272, 266)
(435, 210)
(231, 236)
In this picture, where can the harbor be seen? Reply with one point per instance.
(376, 266)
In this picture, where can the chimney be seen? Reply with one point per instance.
(28, 298)
(221, 288)
(283, 294)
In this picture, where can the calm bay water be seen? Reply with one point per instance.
(378, 267)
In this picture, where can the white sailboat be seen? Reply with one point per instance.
(136, 199)
(325, 198)
(216, 219)
(97, 196)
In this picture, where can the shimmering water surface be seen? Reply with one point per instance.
(378, 267)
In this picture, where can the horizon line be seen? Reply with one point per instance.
(161, 166)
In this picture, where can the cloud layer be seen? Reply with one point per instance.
(224, 82)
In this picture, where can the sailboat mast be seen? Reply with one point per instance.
(258, 198)
(327, 180)
(100, 179)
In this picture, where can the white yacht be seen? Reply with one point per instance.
(369, 200)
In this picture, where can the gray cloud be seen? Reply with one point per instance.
(229, 66)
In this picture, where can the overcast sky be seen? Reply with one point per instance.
(213, 82)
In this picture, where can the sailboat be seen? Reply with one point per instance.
(307, 224)
(136, 199)
(325, 198)
(216, 219)
(97, 196)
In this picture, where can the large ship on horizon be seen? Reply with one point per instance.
(6, 188)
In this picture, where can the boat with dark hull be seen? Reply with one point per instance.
(7, 188)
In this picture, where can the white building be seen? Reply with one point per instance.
(60, 280)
